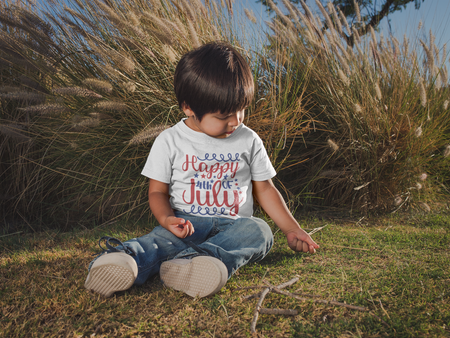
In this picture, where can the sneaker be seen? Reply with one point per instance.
(111, 272)
(200, 276)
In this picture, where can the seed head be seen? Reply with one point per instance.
(344, 21)
(101, 116)
(378, 91)
(194, 37)
(86, 123)
(111, 105)
(325, 15)
(423, 93)
(374, 37)
(418, 132)
(444, 73)
(430, 57)
(170, 53)
(336, 20)
(423, 176)
(445, 105)
(447, 151)
(147, 135)
(130, 86)
(356, 35)
(46, 109)
(343, 77)
(357, 108)
(397, 201)
(188, 10)
(283, 17)
(250, 15)
(332, 145)
(103, 86)
(357, 12)
(77, 91)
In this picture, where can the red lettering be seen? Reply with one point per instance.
(202, 166)
(235, 206)
(192, 192)
(185, 165)
(234, 169)
(212, 170)
(216, 190)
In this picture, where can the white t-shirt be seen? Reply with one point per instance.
(209, 176)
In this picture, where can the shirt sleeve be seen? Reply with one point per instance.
(260, 166)
(159, 162)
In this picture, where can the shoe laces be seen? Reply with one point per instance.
(109, 247)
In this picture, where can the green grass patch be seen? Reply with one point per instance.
(396, 266)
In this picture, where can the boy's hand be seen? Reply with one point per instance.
(179, 227)
(300, 241)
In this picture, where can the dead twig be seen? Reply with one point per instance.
(323, 301)
(289, 312)
(257, 309)
(316, 230)
(263, 295)
(281, 286)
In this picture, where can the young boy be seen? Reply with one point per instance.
(204, 173)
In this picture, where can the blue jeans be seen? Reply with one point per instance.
(235, 242)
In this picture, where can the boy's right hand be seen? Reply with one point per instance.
(179, 227)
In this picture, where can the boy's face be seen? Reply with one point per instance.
(215, 124)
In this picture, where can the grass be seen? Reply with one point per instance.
(85, 87)
(395, 265)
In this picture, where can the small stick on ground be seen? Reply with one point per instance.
(257, 309)
(280, 286)
(261, 300)
(323, 301)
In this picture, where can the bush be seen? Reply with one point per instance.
(383, 137)
(86, 87)
(108, 86)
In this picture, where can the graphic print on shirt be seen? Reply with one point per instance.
(214, 189)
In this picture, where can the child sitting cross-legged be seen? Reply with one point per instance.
(204, 173)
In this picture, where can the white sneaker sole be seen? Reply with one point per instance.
(200, 276)
(115, 271)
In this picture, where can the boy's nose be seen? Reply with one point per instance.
(234, 121)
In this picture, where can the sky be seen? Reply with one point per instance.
(434, 15)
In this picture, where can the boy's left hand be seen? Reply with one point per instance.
(301, 241)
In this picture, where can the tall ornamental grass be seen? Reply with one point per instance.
(359, 123)
(383, 140)
(72, 149)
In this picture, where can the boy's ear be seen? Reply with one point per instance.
(187, 110)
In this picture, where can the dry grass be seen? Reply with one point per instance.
(395, 266)
(380, 103)
(110, 96)
(349, 121)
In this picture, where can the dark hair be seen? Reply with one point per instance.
(213, 78)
